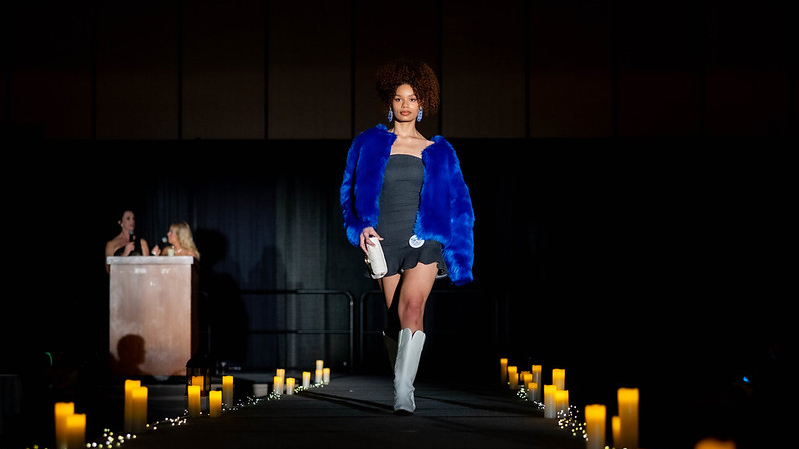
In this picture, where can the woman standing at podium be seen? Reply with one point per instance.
(126, 243)
(181, 241)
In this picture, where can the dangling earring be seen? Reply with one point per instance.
(390, 115)
(419, 115)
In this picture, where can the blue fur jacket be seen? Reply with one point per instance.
(445, 207)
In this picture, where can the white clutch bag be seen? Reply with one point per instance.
(375, 259)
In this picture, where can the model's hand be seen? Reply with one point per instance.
(366, 234)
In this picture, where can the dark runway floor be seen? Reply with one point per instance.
(355, 410)
(352, 411)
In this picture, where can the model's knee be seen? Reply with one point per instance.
(412, 310)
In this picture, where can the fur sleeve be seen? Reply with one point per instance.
(359, 195)
(352, 224)
(461, 246)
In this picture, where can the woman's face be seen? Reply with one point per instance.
(405, 104)
(128, 221)
(172, 236)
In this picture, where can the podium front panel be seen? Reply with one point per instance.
(153, 318)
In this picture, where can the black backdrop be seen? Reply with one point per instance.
(614, 233)
(629, 262)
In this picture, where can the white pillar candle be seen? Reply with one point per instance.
(194, 401)
(281, 372)
(628, 417)
(513, 377)
(130, 385)
(559, 378)
(525, 377)
(227, 391)
(318, 377)
(306, 379)
(562, 402)
(537, 380)
(290, 385)
(615, 427)
(76, 430)
(550, 410)
(215, 403)
(503, 370)
(325, 376)
(139, 419)
(712, 443)
(320, 364)
(62, 411)
(277, 388)
(200, 382)
(260, 390)
(532, 391)
(595, 422)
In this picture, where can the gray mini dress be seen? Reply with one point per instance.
(399, 204)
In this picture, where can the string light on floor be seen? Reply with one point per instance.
(111, 439)
(568, 421)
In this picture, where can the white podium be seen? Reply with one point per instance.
(153, 326)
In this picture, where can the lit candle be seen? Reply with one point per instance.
(513, 377)
(525, 377)
(532, 391)
(325, 376)
(550, 410)
(139, 410)
(62, 410)
(281, 372)
(559, 378)
(227, 391)
(712, 443)
(503, 370)
(562, 402)
(76, 430)
(199, 381)
(290, 385)
(130, 385)
(318, 377)
(628, 417)
(214, 403)
(615, 427)
(537, 380)
(306, 379)
(320, 364)
(194, 401)
(595, 419)
(277, 386)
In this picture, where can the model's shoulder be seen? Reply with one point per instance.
(439, 139)
(379, 130)
(440, 147)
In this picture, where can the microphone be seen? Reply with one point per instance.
(132, 237)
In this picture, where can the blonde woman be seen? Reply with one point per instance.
(180, 240)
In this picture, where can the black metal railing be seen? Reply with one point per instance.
(366, 297)
(345, 293)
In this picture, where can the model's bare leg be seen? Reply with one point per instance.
(390, 285)
(416, 286)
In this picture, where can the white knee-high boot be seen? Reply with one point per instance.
(409, 351)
